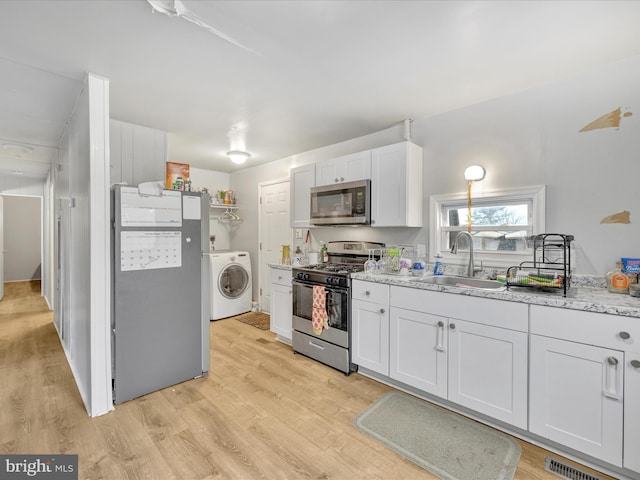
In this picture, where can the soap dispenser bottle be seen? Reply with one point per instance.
(617, 281)
(438, 268)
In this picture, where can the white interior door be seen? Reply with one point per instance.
(1, 247)
(275, 231)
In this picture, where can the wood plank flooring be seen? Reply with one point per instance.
(261, 413)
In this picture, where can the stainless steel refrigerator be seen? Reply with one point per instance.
(160, 289)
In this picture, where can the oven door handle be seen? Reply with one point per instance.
(327, 288)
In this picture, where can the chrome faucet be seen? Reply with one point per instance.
(471, 269)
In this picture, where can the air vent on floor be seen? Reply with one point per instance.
(567, 471)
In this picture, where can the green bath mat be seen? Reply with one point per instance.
(442, 442)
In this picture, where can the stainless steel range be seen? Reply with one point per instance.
(331, 344)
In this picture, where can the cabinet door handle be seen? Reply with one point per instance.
(452, 326)
(624, 335)
(342, 179)
(635, 363)
(336, 180)
(612, 380)
(440, 337)
(382, 310)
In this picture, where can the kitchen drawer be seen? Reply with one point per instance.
(370, 292)
(610, 331)
(280, 277)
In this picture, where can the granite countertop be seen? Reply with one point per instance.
(585, 295)
(279, 266)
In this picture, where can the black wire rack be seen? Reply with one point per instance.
(550, 269)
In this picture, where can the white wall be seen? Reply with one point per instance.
(533, 138)
(214, 181)
(22, 238)
(526, 139)
(82, 310)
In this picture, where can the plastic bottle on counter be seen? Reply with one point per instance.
(324, 253)
(617, 281)
(438, 268)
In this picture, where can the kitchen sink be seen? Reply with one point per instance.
(464, 282)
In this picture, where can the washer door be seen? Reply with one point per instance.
(233, 281)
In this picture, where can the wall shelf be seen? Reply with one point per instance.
(228, 215)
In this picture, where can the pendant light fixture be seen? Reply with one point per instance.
(238, 157)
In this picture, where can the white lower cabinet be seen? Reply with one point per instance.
(584, 391)
(576, 396)
(281, 303)
(370, 326)
(419, 350)
(632, 411)
(457, 347)
(488, 370)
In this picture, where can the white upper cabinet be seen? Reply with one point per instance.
(302, 179)
(348, 168)
(137, 154)
(396, 185)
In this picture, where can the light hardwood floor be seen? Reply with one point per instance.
(262, 412)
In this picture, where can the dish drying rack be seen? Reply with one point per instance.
(551, 266)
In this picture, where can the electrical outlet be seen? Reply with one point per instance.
(298, 233)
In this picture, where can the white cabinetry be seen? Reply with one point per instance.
(396, 185)
(471, 351)
(137, 154)
(281, 304)
(578, 384)
(632, 410)
(348, 168)
(488, 370)
(301, 179)
(370, 326)
(419, 350)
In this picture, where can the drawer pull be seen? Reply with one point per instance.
(367, 293)
(635, 363)
(624, 335)
(452, 326)
(316, 345)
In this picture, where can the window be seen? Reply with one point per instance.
(501, 221)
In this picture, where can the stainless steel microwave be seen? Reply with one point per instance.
(347, 203)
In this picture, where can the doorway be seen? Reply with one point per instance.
(275, 231)
(22, 235)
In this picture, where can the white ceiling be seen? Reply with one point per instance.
(312, 73)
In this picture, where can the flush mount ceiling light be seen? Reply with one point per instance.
(474, 173)
(238, 157)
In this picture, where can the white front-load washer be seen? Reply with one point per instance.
(230, 283)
